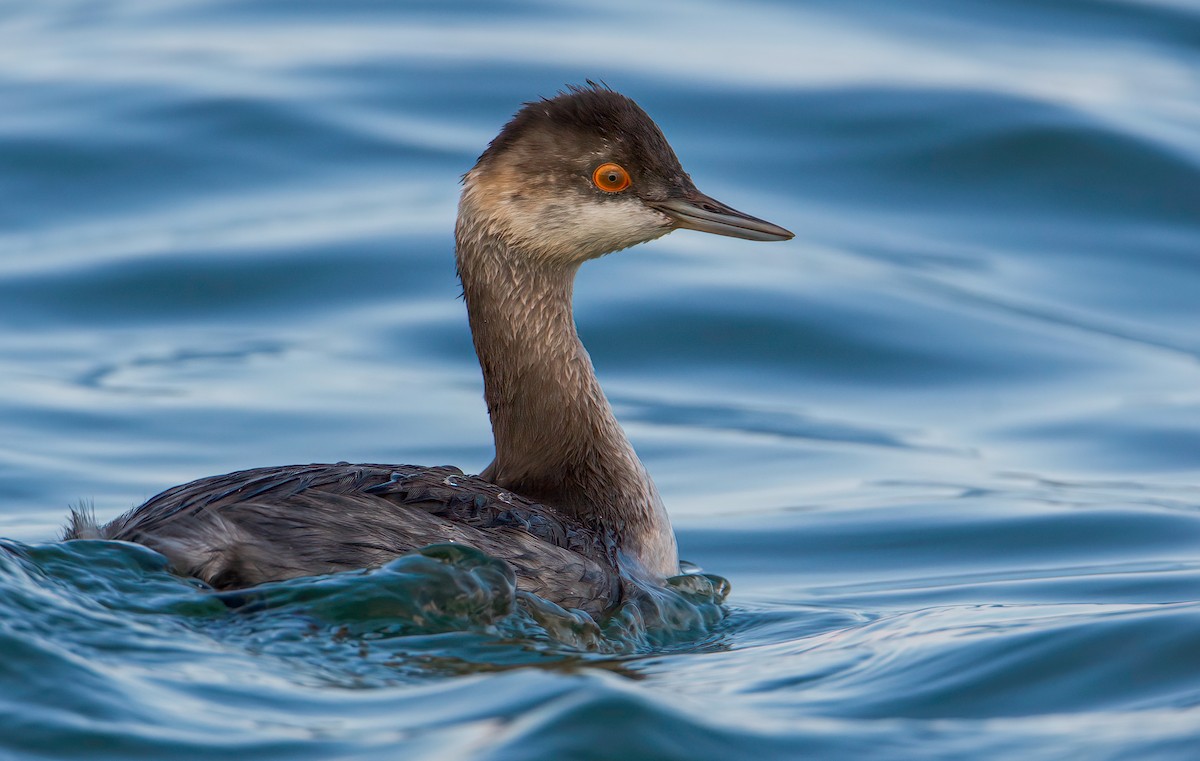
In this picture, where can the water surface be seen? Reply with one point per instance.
(945, 444)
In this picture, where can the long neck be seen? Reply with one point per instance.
(557, 440)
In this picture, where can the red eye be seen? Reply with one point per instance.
(611, 178)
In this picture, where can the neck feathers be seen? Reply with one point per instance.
(557, 440)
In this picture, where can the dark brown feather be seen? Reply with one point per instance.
(267, 524)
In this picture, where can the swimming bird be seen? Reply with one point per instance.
(566, 502)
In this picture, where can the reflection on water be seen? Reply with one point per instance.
(945, 444)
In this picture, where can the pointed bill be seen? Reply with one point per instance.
(697, 211)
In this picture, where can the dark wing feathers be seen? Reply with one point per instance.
(268, 524)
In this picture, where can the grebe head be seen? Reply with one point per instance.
(586, 173)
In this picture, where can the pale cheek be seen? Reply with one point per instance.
(569, 227)
(594, 229)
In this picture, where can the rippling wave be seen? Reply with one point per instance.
(945, 445)
(439, 590)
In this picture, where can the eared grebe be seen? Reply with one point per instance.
(565, 502)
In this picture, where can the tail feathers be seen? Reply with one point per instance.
(82, 523)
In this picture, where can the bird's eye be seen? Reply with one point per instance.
(611, 178)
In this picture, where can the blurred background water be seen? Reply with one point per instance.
(945, 443)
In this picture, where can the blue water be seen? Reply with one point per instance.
(945, 444)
